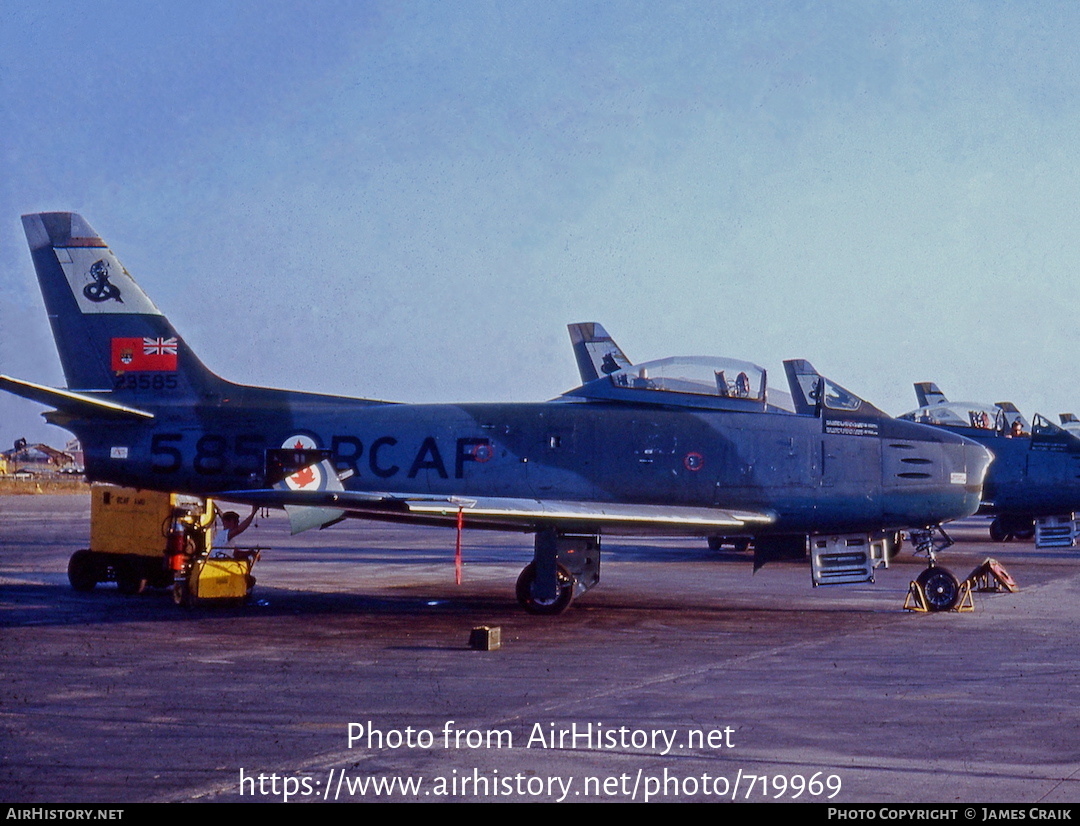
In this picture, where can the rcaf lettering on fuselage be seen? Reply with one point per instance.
(386, 456)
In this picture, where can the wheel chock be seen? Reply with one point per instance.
(991, 576)
(966, 602)
(916, 599)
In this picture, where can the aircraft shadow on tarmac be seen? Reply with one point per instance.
(37, 604)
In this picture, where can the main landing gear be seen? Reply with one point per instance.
(544, 605)
(939, 585)
(1009, 526)
(739, 544)
(564, 566)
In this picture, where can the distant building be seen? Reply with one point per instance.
(40, 459)
(74, 449)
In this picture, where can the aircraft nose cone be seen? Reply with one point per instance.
(977, 459)
(966, 462)
(967, 475)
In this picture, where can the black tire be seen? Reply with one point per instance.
(534, 606)
(715, 543)
(159, 577)
(893, 543)
(998, 532)
(129, 576)
(83, 571)
(940, 587)
(181, 594)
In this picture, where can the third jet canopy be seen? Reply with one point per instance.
(1036, 469)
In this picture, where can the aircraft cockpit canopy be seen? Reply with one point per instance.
(1044, 432)
(817, 388)
(1070, 423)
(727, 378)
(689, 381)
(972, 415)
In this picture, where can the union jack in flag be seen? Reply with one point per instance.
(159, 346)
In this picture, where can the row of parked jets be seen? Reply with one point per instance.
(693, 446)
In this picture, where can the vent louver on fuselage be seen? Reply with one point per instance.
(900, 463)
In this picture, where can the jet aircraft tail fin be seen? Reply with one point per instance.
(811, 393)
(928, 394)
(109, 334)
(596, 352)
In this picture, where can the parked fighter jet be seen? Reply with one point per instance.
(1036, 470)
(597, 354)
(1070, 422)
(658, 448)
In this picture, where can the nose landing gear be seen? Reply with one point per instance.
(938, 587)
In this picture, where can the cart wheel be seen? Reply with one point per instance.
(129, 577)
(82, 571)
(160, 578)
(180, 594)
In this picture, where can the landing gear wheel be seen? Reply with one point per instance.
(545, 608)
(739, 544)
(998, 532)
(82, 571)
(941, 588)
(1025, 533)
(893, 543)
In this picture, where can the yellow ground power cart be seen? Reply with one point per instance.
(141, 538)
(222, 575)
(130, 536)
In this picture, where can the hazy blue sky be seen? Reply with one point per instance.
(410, 200)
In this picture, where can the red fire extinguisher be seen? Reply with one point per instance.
(176, 542)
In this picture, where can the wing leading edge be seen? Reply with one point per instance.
(515, 514)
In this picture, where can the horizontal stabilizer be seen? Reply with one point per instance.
(67, 401)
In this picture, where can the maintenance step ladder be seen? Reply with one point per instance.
(844, 560)
(1056, 531)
